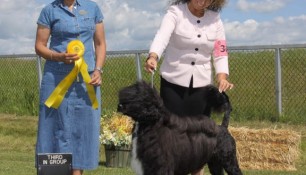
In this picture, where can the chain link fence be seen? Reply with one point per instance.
(19, 88)
(270, 81)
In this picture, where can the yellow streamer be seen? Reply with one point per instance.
(80, 66)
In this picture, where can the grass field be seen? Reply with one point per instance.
(17, 143)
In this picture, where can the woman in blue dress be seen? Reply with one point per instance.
(74, 126)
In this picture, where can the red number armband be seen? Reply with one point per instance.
(220, 48)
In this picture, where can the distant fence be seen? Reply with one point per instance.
(270, 81)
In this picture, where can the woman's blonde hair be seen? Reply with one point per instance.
(216, 5)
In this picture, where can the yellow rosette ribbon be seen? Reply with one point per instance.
(80, 66)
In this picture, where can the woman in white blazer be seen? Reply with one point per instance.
(192, 36)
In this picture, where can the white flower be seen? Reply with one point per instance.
(116, 129)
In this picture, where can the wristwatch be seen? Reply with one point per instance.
(99, 69)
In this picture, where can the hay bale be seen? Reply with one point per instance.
(266, 149)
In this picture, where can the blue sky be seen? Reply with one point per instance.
(289, 8)
(132, 24)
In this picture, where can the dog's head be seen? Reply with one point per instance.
(141, 102)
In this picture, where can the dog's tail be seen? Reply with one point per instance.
(227, 112)
(220, 103)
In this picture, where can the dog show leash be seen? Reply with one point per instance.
(152, 78)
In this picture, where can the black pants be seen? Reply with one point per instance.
(184, 100)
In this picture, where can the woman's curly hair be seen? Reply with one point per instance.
(216, 5)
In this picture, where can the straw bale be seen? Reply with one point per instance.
(269, 149)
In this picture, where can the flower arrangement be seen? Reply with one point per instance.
(116, 130)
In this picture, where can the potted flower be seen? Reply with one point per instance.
(116, 136)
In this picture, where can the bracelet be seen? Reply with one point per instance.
(151, 56)
(99, 69)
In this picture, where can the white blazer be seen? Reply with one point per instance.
(189, 43)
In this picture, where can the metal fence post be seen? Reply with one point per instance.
(278, 78)
(138, 67)
(39, 71)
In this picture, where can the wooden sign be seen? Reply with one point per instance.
(54, 163)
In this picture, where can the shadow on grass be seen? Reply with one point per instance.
(102, 163)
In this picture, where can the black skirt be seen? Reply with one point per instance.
(184, 100)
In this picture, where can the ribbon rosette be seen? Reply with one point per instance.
(80, 66)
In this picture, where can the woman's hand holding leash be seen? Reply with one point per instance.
(223, 83)
(151, 63)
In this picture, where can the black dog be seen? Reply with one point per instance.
(165, 144)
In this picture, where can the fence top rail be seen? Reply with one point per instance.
(256, 47)
(127, 52)
(18, 55)
(251, 47)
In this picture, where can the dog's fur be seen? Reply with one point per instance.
(165, 144)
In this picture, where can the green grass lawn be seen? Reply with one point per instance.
(17, 143)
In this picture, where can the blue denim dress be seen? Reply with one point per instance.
(75, 126)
